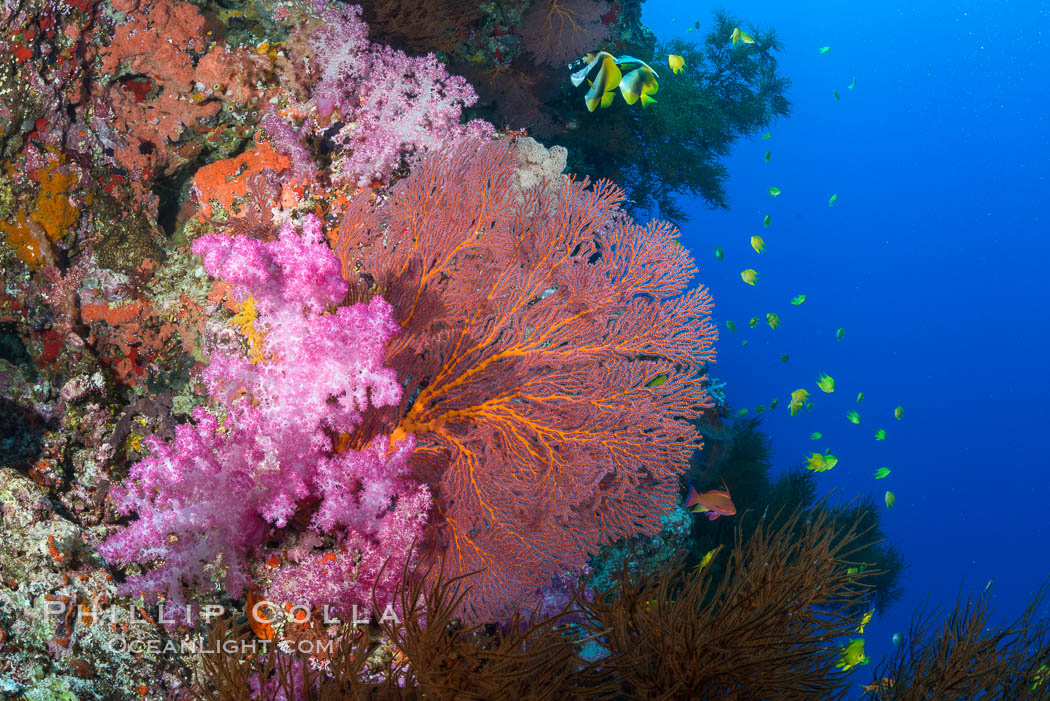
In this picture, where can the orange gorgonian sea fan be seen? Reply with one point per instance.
(532, 325)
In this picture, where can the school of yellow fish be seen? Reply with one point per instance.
(604, 74)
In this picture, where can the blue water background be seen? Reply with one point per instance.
(934, 260)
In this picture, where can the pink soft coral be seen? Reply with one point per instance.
(217, 494)
(391, 107)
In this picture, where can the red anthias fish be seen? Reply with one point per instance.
(715, 503)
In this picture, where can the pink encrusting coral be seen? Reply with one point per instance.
(225, 487)
(390, 107)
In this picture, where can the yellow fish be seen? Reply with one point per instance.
(820, 462)
(638, 84)
(773, 320)
(706, 559)
(749, 276)
(738, 36)
(676, 62)
(657, 381)
(826, 383)
(898, 413)
(798, 400)
(853, 655)
(891, 499)
(758, 244)
(604, 84)
(865, 620)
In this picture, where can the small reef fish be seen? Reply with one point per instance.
(898, 639)
(774, 191)
(798, 299)
(865, 620)
(853, 655)
(837, 96)
(891, 499)
(767, 220)
(898, 413)
(715, 502)
(839, 334)
(760, 409)
(860, 397)
(640, 83)
(854, 417)
(825, 49)
(744, 342)
(1040, 676)
(690, 30)
(758, 244)
(882, 473)
(719, 253)
(657, 381)
(676, 62)
(749, 276)
(855, 570)
(731, 325)
(707, 558)
(784, 357)
(816, 436)
(696, 24)
(604, 83)
(752, 322)
(741, 413)
(826, 383)
(773, 320)
(741, 37)
(821, 462)
(882, 684)
(768, 135)
(853, 84)
(769, 155)
(798, 399)
(773, 403)
(880, 434)
(833, 200)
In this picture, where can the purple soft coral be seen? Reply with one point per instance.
(223, 492)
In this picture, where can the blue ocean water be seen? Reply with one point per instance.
(933, 260)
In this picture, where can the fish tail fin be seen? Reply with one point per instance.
(646, 100)
(607, 98)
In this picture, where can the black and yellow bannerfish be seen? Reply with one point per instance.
(607, 75)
